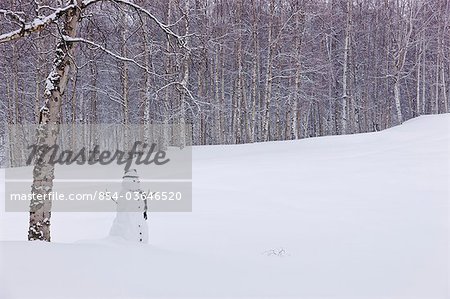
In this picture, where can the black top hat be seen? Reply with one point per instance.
(132, 173)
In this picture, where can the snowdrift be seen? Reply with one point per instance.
(355, 216)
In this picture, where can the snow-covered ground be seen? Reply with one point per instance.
(358, 216)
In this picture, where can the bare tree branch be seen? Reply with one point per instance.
(13, 15)
(181, 39)
(117, 56)
(36, 25)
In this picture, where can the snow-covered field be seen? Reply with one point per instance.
(358, 216)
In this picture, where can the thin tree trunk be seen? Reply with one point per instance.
(147, 86)
(268, 85)
(296, 115)
(436, 87)
(443, 90)
(217, 109)
(418, 84)
(255, 73)
(424, 101)
(398, 107)
(344, 120)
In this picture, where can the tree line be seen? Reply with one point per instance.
(248, 71)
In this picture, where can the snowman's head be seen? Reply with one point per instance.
(131, 180)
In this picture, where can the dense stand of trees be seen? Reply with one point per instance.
(251, 71)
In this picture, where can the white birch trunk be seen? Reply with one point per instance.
(344, 100)
(49, 120)
(268, 85)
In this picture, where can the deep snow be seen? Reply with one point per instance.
(356, 216)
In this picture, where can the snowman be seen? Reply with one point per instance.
(130, 222)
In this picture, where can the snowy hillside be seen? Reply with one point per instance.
(357, 216)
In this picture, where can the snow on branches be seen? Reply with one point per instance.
(38, 24)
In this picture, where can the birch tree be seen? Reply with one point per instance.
(345, 72)
(68, 18)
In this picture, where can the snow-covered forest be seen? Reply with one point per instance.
(161, 149)
(239, 71)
